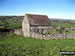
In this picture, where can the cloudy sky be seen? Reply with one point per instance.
(64, 9)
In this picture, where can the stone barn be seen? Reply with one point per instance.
(35, 25)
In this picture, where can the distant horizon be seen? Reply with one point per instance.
(41, 14)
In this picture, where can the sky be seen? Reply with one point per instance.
(64, 9)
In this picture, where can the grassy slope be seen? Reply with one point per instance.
(11, 21)
(19, 46)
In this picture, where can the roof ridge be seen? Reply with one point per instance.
(36, 14)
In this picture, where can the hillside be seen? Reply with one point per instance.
(11, 22)
(63, 22)
(18, 45)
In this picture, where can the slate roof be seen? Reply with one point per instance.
(38, 20)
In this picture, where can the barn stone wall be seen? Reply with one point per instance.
(26, 26)
(40, 29)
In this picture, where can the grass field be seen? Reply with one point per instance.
(68, 25)
(15, 45)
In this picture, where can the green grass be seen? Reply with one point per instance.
(67, 25)
(15, 45)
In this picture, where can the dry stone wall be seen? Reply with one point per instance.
(54, 36)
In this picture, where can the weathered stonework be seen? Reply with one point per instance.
(36, 24)
(18, 31)
(26, 27)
